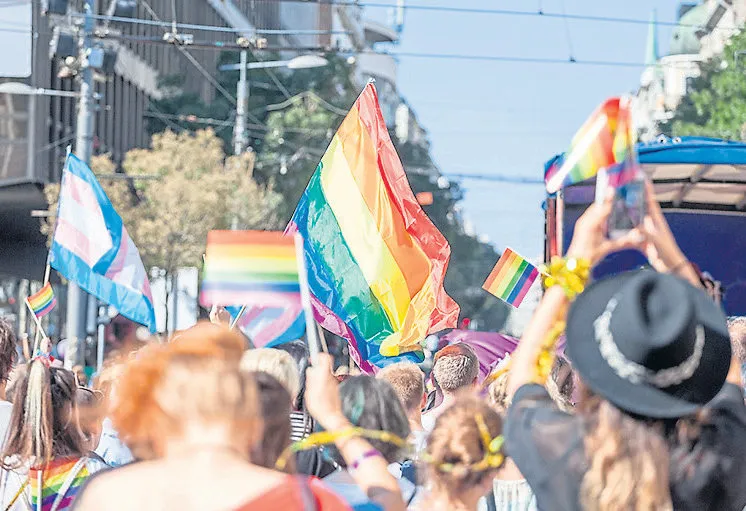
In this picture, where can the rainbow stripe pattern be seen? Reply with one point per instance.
(511, 278)
(605, 139)
(43, 302)
(53, 479)
(248, 268)
(376, 262)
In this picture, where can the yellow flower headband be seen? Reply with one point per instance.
(329, 437)
(493, 457)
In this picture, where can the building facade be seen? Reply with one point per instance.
(703, 31)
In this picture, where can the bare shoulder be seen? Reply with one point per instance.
(107, 487)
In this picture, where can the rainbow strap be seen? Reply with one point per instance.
(511, 278)
(53, 479)
(43, 302)
(376, 262)
(606, 139)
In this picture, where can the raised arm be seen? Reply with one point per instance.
(371, 473)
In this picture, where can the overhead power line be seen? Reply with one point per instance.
(504, 12)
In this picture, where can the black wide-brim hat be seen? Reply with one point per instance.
(649, 343)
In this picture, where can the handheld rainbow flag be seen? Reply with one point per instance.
(249, 267)
(605, 139)
(43, 302)
(511, 278)
(375, 261)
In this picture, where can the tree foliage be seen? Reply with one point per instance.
(194, 189)
(715, 105)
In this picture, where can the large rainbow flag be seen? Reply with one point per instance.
(376, 262)
(606, 139)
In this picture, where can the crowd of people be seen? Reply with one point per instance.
(642, 410)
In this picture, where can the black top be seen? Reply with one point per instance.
(547, 446)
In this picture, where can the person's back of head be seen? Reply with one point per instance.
(8, 353)
(408, 381)
(464, 449)
(277, 363)
(275, 408)
(737, 331)
(372, 404)
(171, 392)
(44, 421)
(456, 367)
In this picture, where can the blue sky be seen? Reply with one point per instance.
(508, 118)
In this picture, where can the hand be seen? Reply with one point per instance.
(219, 316)
(322, 394)
(662, 251)
(590, 239)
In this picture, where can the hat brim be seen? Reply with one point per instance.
(645, 399)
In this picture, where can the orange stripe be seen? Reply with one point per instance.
(504, 270)
(360, 154)
(496, 271)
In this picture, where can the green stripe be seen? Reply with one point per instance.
(214, 274)
(336, 265)
(514, 280)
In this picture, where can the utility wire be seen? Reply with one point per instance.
(568, 37)
(502, 12)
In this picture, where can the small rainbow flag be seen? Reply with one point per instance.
(511, 278)
(606, 139)
(249, 268)
(43, 302)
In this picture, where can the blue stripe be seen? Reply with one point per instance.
(519, 285)
(277, 287)
(295, 331)
(113, 221)
(129, 303)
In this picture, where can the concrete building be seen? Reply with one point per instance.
(703, 31)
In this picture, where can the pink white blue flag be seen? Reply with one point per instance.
(270, 326)
(92, 248)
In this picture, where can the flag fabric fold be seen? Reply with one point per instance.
(271, 326)
(376, 262)
(605, 140)
(91, 246)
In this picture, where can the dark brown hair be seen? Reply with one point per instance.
(275, 438)
(44, 421)
(8, 352)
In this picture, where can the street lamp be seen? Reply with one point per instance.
(23, 89)
(240, 138)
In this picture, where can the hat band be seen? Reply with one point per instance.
(634, 372)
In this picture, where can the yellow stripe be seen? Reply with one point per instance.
(361, 235)
(509, 275)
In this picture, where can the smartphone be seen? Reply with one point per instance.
(628, 210)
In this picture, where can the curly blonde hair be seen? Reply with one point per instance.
(628, 461)
(456, 441)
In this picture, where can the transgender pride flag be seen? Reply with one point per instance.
(92, 248)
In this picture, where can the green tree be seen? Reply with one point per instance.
(715, 104)
(192, 188)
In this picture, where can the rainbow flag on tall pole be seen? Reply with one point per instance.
(606, 140)
(376, 262)
(511, 278)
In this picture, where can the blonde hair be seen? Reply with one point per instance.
(499, 399)
(408, 382)
(628, 461)
(193, 379)
(737, 332)
(276, 363)
(456, 440)
(44, 420)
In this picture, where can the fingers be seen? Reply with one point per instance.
(323, 362)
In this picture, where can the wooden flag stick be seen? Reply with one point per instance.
(234, 322)
(314, 346)
(39, 328)
(322, 338)
(47, 270)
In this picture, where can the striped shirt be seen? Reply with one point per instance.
(301, 425)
